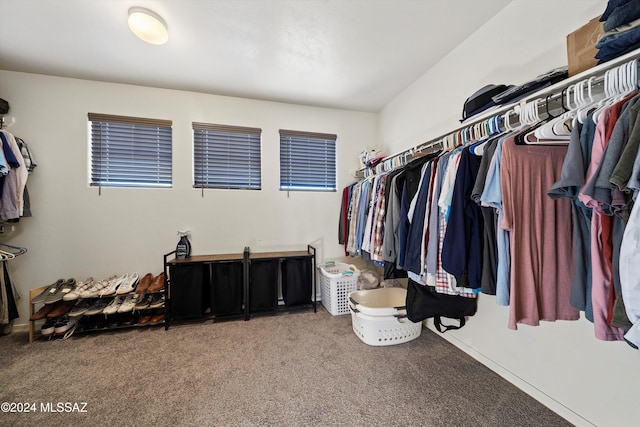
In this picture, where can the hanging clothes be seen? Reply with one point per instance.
(572, 179)
(462, 244)
(540, 234)
(8, 294)
(601, 226)
(551, 229)
(630, 274)
(492, 197)
(13, 178)
(437, 276)
(490, 222)
(343, 222)
(416, 216)
(390, 242)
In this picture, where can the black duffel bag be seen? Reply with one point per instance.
(424, 302)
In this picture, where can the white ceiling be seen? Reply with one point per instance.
(348, 54)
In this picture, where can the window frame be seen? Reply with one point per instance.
(130, 152)
(296, 178)
(238, 176)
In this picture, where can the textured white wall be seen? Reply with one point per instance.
(76, 233)
(562, 364)
(524, 40)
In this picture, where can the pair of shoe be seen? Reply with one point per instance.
(120, 304)
(80, 308)
(154, 317)
(157, 301)
(144, 284)
(129, 320)
(150, 301)
(98, 306)
(51, 289)
(80, 289)
(48, 328)
(112, 286)
(94, 289)
(92, 323)
(122, 285)
(68, 286)
(157, 284)
(129, 285)
(59, 326)
(53, 310)
(55, 292)
(148, 283)
(42, 313)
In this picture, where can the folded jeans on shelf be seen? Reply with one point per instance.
(611, 6)
(617, 41)
(623, 14)
(612, 54)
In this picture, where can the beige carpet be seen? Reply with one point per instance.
(298, 369)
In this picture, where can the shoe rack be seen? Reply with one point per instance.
(238, 285)
(101, 322)
(134, 319)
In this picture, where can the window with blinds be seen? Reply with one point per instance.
(307, 161)
(129, 151)
(226, 157)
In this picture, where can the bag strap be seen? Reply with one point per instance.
(438, 324)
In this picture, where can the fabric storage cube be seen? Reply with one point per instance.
(337, 280)
(188, 283)
(263, 287)
(226, 288)
(379, 317)
(297, 281)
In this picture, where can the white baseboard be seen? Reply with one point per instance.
(22, 327)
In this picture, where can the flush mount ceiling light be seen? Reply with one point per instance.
(148, 25)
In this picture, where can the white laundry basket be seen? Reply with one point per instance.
(379, 317)
(337, 280)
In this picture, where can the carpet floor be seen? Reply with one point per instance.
(296, 369)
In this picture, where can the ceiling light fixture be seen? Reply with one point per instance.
(148, 25)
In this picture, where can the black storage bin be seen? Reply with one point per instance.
(263, 287)
(188, 283)
(296, 281)
(226, 288)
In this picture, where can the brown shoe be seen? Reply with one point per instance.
(157, 318)
(145, 318)
(42, 313)
(61, 307)
(144, 284)
(157, 284)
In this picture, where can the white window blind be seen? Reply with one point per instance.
(307, 161)
(130, 151)
(226, 157)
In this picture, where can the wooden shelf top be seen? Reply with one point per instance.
(208, 258)
(282, 254)
(240, 256)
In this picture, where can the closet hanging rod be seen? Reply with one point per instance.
(555, 90)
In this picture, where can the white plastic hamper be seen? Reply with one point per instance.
(379, 317)
(337, 280)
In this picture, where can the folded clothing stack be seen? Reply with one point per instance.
(515, 93)
(493, 95)
(621, 24)
(481, 100)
